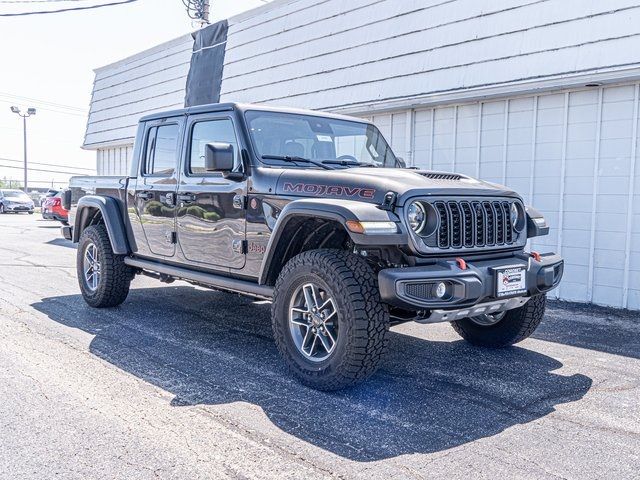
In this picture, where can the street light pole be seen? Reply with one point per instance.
(30, 111)
(24, 146)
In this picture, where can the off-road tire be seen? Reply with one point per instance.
(515, 326)
(116, 276)
(362, 319)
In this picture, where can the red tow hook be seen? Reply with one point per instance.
(536, 256)
(461, 263)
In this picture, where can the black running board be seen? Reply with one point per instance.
(218, 282)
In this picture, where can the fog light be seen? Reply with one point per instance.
(441, 290)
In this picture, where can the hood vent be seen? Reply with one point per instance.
(441, 176)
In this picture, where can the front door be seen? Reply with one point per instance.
(210, 215)
(155, 196)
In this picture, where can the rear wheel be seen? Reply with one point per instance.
(328, 322)
(103, 276)
(504, 328)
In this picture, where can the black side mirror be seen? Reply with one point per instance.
(218, 157)
(401, 162)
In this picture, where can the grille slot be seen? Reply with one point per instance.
(473, 224)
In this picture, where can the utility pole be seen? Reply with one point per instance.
(30, 111)
(205, 12)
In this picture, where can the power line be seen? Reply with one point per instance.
(39, 1)
(43, 102)
(47, 164)
(69, 9)
(64, 112)
(197, 9)
(41, 170)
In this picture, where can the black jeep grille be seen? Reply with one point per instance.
(473, 224)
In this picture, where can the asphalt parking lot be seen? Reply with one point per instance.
(181, 382)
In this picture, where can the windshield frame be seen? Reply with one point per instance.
(260, 156)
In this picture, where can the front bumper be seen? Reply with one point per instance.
(18, 208)
(411, 288)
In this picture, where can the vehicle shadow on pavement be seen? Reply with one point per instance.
(213, 348)
(598, 328)
(61, 242)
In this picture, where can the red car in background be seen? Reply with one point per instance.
(52, 209)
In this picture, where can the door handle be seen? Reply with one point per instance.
(144, 195)
(186, 197)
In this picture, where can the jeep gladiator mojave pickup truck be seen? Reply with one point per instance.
(314, 212)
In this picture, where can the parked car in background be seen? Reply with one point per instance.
(15, 201)
(50, 193)
(52, 208)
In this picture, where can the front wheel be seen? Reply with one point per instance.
(328, 321)
(505, 328)
(103, 276)
(2, 209)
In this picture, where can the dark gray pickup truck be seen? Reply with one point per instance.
(314, 212)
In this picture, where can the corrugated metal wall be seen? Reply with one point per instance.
(573, 155)
(114, 160)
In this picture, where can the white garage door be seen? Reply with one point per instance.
(573, 155)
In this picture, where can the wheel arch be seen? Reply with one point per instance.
(320, 223)
(95, 209)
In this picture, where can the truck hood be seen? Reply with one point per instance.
(371, 184)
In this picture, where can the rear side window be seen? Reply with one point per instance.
(160, 154)
(209, 132)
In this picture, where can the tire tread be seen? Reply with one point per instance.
(369, 317)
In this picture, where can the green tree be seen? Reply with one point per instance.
(4, 183)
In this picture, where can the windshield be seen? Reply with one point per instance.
(15, 194)
(327, 140)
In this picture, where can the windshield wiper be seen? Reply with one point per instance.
(349, 163)
(293, 159)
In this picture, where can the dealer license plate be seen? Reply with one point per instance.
(510, 281)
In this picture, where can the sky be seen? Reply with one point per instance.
(47, 62)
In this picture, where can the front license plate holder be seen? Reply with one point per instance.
(510, 280)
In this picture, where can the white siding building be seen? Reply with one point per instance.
(539, 95)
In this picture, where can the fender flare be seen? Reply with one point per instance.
(340, 211)
(111, 211)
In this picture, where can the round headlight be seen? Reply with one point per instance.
(516, 217)
(416, 216)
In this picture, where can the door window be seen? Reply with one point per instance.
(208, 132)
(160, 157)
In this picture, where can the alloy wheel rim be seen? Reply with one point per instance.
(488, 319)
(91, 267)
(313, 322)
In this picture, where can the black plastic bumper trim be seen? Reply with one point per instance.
(473, 285)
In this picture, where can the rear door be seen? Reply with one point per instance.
(155, 193)
(211, 213)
